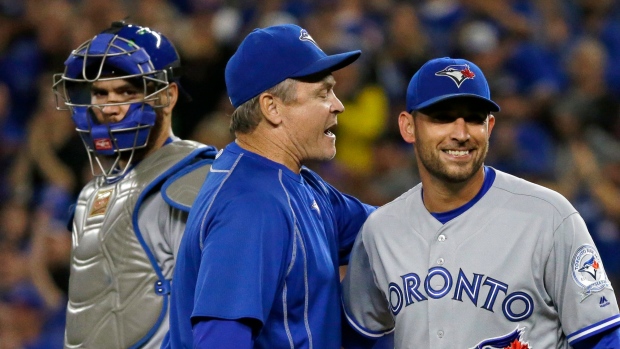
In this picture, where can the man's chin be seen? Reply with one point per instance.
(329, 156)
(459, 175)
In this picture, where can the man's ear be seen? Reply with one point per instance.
(406, 126)
(271, 107)
(170, 97)
(491, 123)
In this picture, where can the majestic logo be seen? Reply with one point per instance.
(512, 340)
(458, 73)
(100, 204)
(588, 271)
(603, 302)
(304, 36)
(315, 206)
(103, 144)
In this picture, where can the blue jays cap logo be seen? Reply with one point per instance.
(588, 271)
(304, 36)
(145, 30)
(513, 340)
(458, 73)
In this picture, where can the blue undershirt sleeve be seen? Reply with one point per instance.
(351, 339)
(222, 334)
(605, 340)
(71, 215)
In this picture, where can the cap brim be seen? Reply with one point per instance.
(329, 64)
(492, 105)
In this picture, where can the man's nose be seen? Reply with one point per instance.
(111, 113)
(460, 132)
(337, 106)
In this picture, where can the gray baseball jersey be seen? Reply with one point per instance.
(516, 268)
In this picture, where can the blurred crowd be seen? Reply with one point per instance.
(551, 65)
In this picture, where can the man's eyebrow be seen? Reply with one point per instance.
(94, 88)
(329, 81)
(125, 86)
(327, 84)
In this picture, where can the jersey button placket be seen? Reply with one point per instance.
(441, 238)
(441, 250)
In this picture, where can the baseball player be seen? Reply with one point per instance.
(258, 264)
(473, 257)
(128, 221)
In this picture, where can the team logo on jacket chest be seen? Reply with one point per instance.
(438, 283)
(588, 271)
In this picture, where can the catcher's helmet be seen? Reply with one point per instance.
(137, 54)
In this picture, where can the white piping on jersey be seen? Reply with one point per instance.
(285, 312)
(306, 322)
(214, 170)
(614, 320)
(294, 252)
(288, 270)
(202, 223)
(290, 267)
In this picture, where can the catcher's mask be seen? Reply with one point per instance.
(143, 58)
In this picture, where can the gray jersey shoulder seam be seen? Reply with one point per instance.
(554, 206)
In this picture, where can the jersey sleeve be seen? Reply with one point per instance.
(575, 278)
(243, 258)
(365, 306)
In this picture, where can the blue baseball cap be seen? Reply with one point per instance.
(445, 78)
(271, 55)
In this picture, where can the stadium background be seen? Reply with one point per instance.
(552, 66)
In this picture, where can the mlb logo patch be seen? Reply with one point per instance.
(457, 73)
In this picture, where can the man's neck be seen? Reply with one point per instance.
(440, 196)
(152, 147)
(268, 146)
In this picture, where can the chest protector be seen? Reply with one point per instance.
(118, 296)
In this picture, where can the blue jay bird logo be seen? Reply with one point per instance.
(304, 36)
(591, 267)
(512, 340)
(458, 73)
